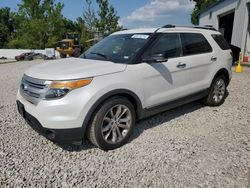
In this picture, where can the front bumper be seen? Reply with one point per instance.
(56, 135)
(59, 120)
(65, 113)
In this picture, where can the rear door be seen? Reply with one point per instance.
(198, 56)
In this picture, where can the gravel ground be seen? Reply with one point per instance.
(3, 61)
(191, 146)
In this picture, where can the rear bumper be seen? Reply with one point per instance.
(56, 135)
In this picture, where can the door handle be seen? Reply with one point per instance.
(213, 58)
(181, 65)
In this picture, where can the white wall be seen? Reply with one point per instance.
(11, 53)
(240, 25)
(240, 19)
(217, 10)
(247, 51)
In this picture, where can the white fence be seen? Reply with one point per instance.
(11, 53)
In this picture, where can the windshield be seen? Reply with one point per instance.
(117, 48)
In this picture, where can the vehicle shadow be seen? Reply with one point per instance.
(77, 147)
(141, 125)
(145, 124)
(164, 117)
(163, 70)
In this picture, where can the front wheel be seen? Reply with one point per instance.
(217, 92)
(63, 55)
(77, 52)
(112, 124)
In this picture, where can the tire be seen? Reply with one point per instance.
(28, 58)
(63, 55)
(77, 52)
(217, 92)
(106, 130)
(38, 57)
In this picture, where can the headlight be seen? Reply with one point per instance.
(58, 89)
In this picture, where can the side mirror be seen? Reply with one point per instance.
(156, 58)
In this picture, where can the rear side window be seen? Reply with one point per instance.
(194, 43)
(221, 41)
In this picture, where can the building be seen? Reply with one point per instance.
(231, 18)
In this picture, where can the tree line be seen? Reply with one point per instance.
(39, 24)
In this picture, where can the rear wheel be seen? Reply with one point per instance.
(217, 92)
(112, 124)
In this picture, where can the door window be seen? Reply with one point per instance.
(168, 44)
(194, 43)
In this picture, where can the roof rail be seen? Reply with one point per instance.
(208, 27)
(168, 26)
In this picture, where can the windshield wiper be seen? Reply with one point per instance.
(99, 54)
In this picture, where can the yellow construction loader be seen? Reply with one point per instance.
(70, 46)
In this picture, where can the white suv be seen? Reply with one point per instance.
(129, 75)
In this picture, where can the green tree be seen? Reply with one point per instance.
(6, 26)
(39, 24)
(84, 32)
(42, 24)
(89, 16)
(199, 6)
(104, 21)
(86, 25)
(107, 21)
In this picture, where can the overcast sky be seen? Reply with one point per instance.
(133, 13)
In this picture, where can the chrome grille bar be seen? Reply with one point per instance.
(33, 89)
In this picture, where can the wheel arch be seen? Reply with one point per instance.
(223, 72)
(131, 96)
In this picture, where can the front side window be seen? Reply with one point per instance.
(168, 44)
(120, 48)
(194, 43)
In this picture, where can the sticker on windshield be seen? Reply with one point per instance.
(140, 36)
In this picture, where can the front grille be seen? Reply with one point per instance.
(32, 89)
(35, 85)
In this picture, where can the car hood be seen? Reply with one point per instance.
(73, 68)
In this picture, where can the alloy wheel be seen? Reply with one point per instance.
(219, 90)
(116, 124)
